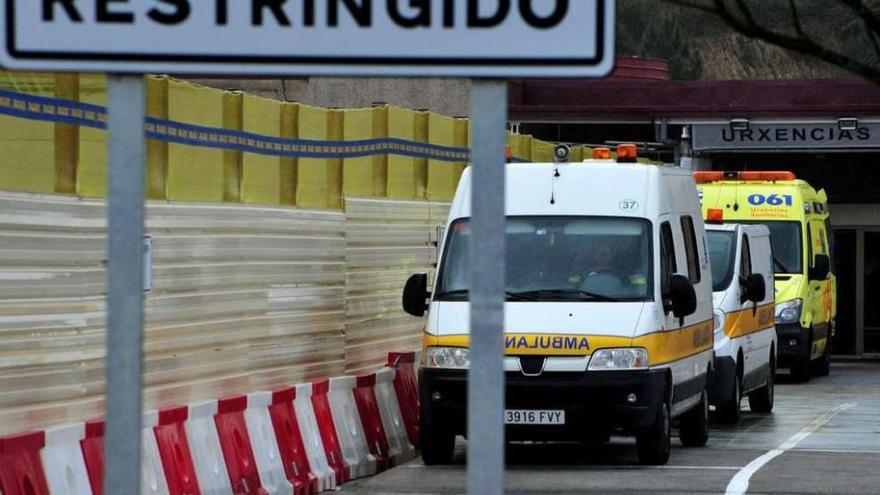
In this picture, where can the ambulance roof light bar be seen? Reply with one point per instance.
(627, 153)
(746, 176)
(714, 215)
(601, 153)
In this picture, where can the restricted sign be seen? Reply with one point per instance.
(785, 136)
(462, 38)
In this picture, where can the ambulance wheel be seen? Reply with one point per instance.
(761, 400)
(822, 366)
(653, 445)
(436, 443)
(728, 410)
(693, 427)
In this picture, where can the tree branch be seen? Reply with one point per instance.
(744, 23)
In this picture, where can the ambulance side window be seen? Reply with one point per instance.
(809, 245)
(667, 257)
(745, 267)
(690, 247)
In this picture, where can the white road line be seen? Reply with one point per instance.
(740, 482)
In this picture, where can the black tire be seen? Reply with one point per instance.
(822, 366)
(800, 371)
(728, 411)
(693, 427)
(437, 444)
(653, 445)
(761, 400)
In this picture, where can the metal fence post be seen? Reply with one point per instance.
(485, 454)
(125, 309)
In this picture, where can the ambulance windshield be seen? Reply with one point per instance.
(722, 246)
(560, 259)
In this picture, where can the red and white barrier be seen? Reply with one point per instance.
(63, 462)
(349, 429)
(298, 441)
(204, 443)
(152, 474)
(21, 471)
(92, 447)
(327, 427)
(313, 441)
(177, 461)
(265, 446)
(236, 445)
(400, 448)
(291, 446)
(407, 388)
(371, 419)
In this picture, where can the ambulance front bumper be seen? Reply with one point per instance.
(793, 344)
(595, 403)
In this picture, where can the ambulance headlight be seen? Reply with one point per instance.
(719, 320)
(789, 312)
(456, 358)
(631, 358)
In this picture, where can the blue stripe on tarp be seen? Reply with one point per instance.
(57, 110)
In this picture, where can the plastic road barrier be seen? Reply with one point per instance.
(371, 419)
(324, 416)
(63, 462)
(290, 443)
(407, 388)
(93, 454)
(312, 440)
(349, 429)
(177, 461)
(21, 472)
(201, 433)
(265, 446)
(400, 449)
(236, 446)
(152, 474)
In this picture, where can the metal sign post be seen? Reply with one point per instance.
(485, 453)
(126, 147)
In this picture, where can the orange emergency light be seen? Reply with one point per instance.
(508, 154)
(627, 153)
(753, 176)
(601, 154)
(715, 215)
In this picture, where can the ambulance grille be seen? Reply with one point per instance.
(532, 365)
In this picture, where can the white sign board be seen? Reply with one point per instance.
(455, 38)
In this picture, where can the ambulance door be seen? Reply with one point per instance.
(749, 346)
(679, 254)
(818, 291)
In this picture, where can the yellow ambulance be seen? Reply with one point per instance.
(797, 216)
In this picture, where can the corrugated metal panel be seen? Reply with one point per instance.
(245, 298)
(387, 241)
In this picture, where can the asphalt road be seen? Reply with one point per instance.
(823, 437)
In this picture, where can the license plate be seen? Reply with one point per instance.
(534, 417)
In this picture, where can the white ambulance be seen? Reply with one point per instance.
(608, 319)
(745, 332)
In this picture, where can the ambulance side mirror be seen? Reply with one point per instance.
(756, 288)
(682, 295)
(415, 292)
(821, 267)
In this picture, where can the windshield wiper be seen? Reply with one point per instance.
(516, 296)
(451, 293)
(576, 292)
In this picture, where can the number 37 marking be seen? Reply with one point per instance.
(771, 200)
